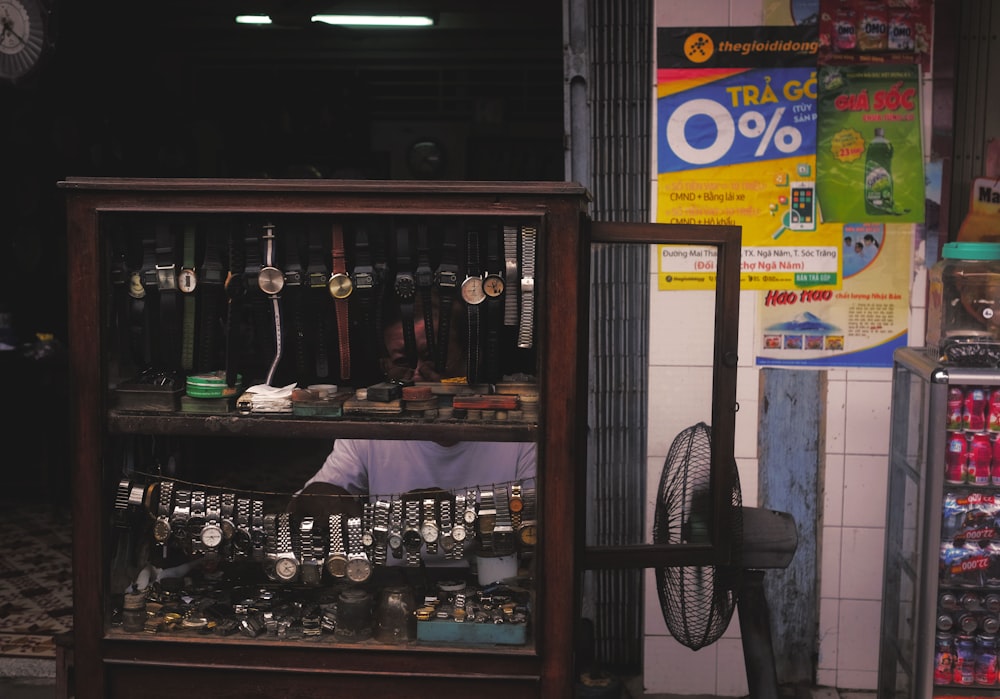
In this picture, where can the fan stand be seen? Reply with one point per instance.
(769, 541)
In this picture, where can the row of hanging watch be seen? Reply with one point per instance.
(350, 300)
(225, 527)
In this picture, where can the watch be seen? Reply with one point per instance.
(241, 536)
(527, 530)
(525, 330)
(503, 532)
(367, 535)
(380, 529)
(286, 565)
(511, 275)
(24, 37)
(336, 561)
(187, 282)
(228, 502)
(424, 278)
(341, 286)
(469, 516)
(161, 527)
(396, 528)
(429, 531)
(359, 568)
(516, 504)
(180, 514)
(211, 533)
(447, 541)
(197, 520)
(487, 519)
(411, 534)
(473, 295)
(459, 530)
(406, 288)
(312, 563)
(258, 535)
(493, 287)
(446, 279)
(269, 278)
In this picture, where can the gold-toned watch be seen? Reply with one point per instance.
(161, 528)
(336, 560)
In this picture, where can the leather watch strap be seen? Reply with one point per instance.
(525, 331)
(294, 296)
(142, 297)
(211, 296)
(405, 287)
(446, 278)
(166, 284)
(341, 287)
(187, 283)
(424, 277)
(318, 279)
(472, 294)
(494, 306)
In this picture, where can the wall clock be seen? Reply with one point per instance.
(23, 37)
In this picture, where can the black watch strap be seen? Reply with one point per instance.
(405, 287)
(317, 308)
(169, 304)
(472, 309)
(211, 301)
(494, 309)
(447, 280)
(424, 276)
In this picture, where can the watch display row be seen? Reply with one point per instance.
(351, 300)
(222, 527)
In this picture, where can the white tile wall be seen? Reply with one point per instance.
(854, 465)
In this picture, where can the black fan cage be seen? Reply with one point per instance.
(697, 601)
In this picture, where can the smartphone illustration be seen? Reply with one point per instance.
(802, 206)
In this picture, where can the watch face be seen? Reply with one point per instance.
(228, 529)
(412, 540)
(426, 159)
(241, 540)
(493, 285)
(472, 290)
(458, 532)
(487, 522)
(469, 516)
(395, 541)
(270, 280)
(358, 569)
(340, 286)
(186, 280)
(161, 529)
(211, 535)
(528, 534)
(135, 288)
(447, 542)
(367, 539)
(405, 286)
(336, 565)
(286, 568)
(429, 532)
(516, 504)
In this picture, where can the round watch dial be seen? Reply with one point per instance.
(395, 541)
(367, 539)
(270, 280)
(458, 532)
(472, 290)
(161, 529)
(412, 540)
(336, 565)
(487, 523)
(528, 534)
(340, 286)
(286, 568)
(493, 285)
(516, 504)
(469, 516)
(211, 535)
(429, 532)
(447, 542)
(228, 529)
(358, 569)
(405, 286)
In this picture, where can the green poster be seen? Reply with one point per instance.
(869, 164)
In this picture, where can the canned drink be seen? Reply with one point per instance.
(995, 463)
(986, 659)
(945, 622)
(956, 458)
(992, 603)
(964, 672)
(968, 623)
(990, 624)
(971, 602)
(944, 658)
(980, 460)
(948, 602)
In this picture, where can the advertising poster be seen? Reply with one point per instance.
(869, 161)
(859, 325)
(736, 145)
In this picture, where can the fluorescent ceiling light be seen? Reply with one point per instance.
(375, 20)
(253, 19)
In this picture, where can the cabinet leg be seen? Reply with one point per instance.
(755, 629)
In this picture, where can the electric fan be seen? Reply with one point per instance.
(697, 601)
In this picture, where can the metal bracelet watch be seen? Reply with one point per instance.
(396, 528)
(527, 530)
(227, 523)
(525, 331)
(503, 532)
(242, 545)
(258, 535)
(511, 275)
(161, 528)
(412, 540)
(446, 541)
(312, 564)
(210, 535)
(359, 567)
(380, 532)
(429, 530)
(286, 565)
(336, 560)
(459, 529)
(487, 519)
(197, 520)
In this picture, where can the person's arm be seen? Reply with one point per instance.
(320, 500)
(339, 485)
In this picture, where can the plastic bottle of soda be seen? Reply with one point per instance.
(944, 658)
(956, 458)
(956, 406)
(878, 175)
(976, 404)
(986, 659)
(993, 419)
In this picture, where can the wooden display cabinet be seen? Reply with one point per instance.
(105, 214)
